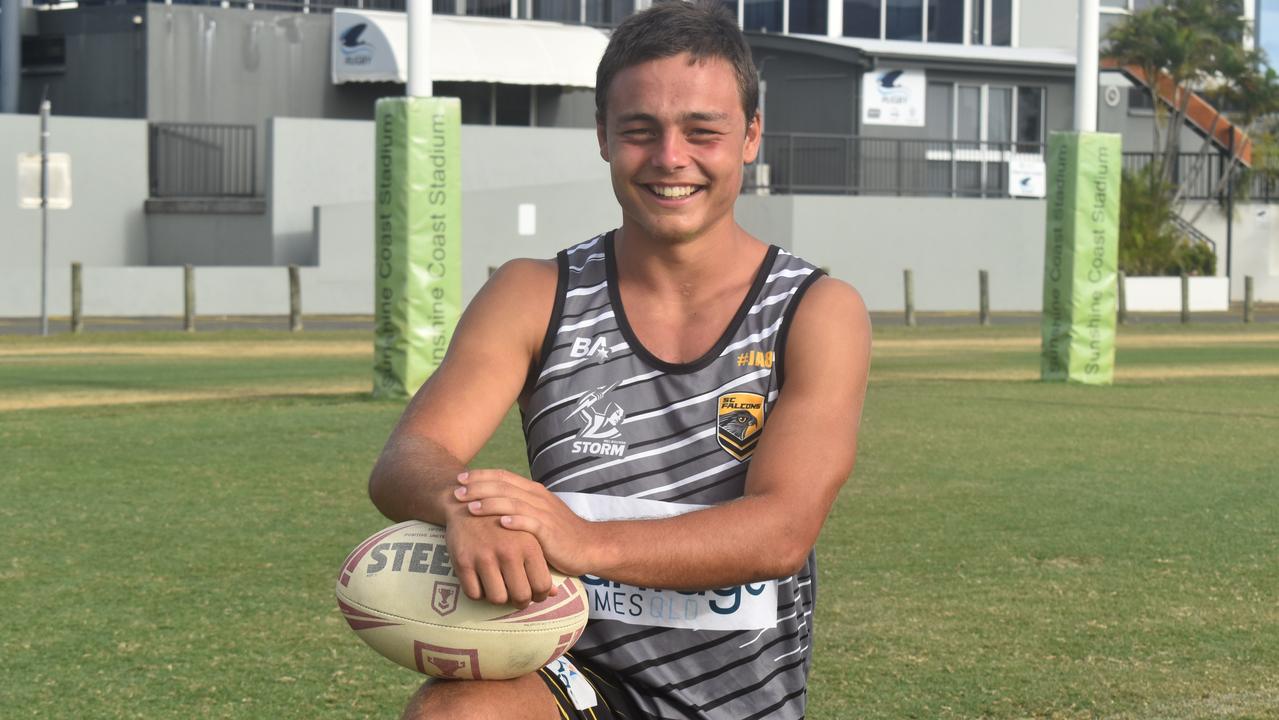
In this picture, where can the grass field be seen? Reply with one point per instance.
(173, 510)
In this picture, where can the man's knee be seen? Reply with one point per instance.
(524, 698)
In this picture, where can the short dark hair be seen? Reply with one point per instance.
(702, 28)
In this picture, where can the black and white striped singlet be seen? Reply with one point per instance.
(620, 434)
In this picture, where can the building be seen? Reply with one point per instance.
(948, 99)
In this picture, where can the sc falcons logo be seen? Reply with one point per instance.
(355, 50)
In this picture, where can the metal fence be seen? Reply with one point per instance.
(597, 13)
(202, 160)
(814, 163)
(1202, 175)
(856, 165)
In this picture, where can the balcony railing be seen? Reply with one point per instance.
(814, 163)
(598, 13)
(202, 160)
(856, 165)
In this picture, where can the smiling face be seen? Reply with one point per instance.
(675, 138)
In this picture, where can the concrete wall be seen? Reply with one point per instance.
(1048, 24)
(868, 241)
(105, 224)
(205, 233)
(315, 163)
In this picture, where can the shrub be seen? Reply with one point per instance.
(1149, 242)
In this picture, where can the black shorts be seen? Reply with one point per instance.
(567, 681)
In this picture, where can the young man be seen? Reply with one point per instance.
(690, 399)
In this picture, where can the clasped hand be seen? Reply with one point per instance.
(536, 528)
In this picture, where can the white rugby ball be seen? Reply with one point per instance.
(399, 593)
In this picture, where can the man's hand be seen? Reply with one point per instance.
(524, 506)
(495, 564)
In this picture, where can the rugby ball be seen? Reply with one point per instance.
(399, 593)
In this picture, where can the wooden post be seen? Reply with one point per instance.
(295, 299)
(188, 293)
(77, 298)
(1247, 298)
(1123, 298)
(1185, 298)
(983, 284)
(909, 279)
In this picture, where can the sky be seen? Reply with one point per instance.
(1268, 29)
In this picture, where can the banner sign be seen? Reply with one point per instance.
(369, 46)
(894, 97)
(417, 239)
(1081, 258)
(1026, 178)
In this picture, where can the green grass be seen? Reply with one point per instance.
(1004, 549)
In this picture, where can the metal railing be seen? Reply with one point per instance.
(1204, 173)
(597, 13)
(855, 165)
(816, 163)
(202, 160)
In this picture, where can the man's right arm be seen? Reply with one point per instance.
(451, 417)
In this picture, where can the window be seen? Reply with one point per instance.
(1139, 98)
(861, 18)
(568, 11)
(808, 16)
(989, 22)
(762, 15)
(608, 13)
(905, 20)
(489, 8)
(477, 100)
(946, 21)
(1001, 22)
(1030, 119)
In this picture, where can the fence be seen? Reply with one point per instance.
(202, 160)
(1203, 173)
(598, 13)
(814, 163)
(856, 165)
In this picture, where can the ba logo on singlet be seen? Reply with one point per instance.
(585, 347)
(599, 434)
(739, 422)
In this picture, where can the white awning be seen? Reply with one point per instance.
(371, 46)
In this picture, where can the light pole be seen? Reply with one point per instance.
(1086, 69)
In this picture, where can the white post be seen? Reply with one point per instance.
(419, 80)
(834, 19)
(1086, 71)
(45, 110)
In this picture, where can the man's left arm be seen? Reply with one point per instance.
(805, 454)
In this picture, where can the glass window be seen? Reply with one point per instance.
(905, 20)
(762, 15)
(608, 13)
(861, 18)
(557, 10)
(489, 8)
(999, 115)
(968, 113)
(1139, 98)
(475, 97)
(946, 21)
(1115, 3)
(1030, 118)
(938, 103)
(1001, 22)
(444, 7)
(978, 12)
(808, 16)
(514, 105)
